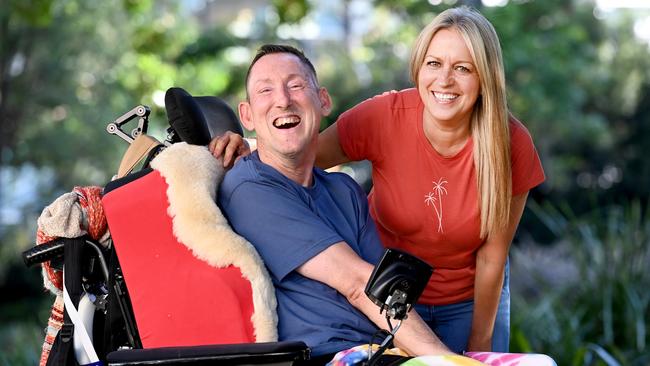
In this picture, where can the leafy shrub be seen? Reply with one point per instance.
(598, 312)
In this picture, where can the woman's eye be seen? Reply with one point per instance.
(433, 63)
(462, 69)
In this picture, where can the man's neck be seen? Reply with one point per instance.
(297, 168)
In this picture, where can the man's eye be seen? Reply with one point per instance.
(297, 86)
(264, 90)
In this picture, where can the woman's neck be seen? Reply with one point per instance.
(446, 137)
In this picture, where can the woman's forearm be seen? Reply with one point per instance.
(330, 152)
(487, 292)
(488, 280)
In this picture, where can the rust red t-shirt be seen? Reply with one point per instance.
(423, 202)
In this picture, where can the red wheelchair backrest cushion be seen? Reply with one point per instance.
(177, 298)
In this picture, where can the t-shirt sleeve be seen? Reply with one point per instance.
(279, 224)
(360, 127)
(372, 250)
(368, 245)
(527, 170)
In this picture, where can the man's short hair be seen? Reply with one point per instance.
(269, 49)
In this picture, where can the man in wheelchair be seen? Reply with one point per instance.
(311, 228)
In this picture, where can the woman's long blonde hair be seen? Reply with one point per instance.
(489, 121)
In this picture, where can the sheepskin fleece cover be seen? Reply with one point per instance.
(193, 175)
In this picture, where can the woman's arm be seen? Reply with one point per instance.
(229, 147)
(490, 263)
(329, 151)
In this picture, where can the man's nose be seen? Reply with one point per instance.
(282, 98)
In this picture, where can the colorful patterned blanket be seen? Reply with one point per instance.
(356, 355)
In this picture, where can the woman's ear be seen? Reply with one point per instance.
(244, 109)
(325, 101)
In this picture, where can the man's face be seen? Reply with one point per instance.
(285, 106)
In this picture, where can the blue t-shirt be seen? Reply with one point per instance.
(288, 224)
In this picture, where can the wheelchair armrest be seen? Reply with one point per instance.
(277, 353)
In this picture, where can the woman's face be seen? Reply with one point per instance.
(448, 80)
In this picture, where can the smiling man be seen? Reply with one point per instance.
(311, 228)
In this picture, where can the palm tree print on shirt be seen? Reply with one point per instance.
(434, 199)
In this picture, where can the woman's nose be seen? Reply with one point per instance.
(446, 76)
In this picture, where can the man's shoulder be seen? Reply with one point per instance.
(246, 176)
(338, 180)
(256, 176)
(243, 171)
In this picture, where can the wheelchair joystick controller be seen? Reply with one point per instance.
(395, 285)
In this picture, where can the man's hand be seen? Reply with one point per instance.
(229, 146)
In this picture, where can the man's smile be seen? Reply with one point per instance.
(286, 122)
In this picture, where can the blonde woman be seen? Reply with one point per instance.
(451, 173)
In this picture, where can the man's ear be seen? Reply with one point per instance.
(244, 109)
(325, 101)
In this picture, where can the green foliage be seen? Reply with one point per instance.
(36, 12)
(601, 313)
(136, 6)
(21, 344)
(24, 318)
(291, 11)
(550, 49)
(209, 44)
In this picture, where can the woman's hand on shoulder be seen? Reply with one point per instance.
(229, 148)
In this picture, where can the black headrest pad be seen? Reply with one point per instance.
(197, 120)
(219, 116)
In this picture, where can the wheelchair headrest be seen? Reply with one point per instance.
(197, 120)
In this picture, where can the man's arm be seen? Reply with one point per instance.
(341, 268)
